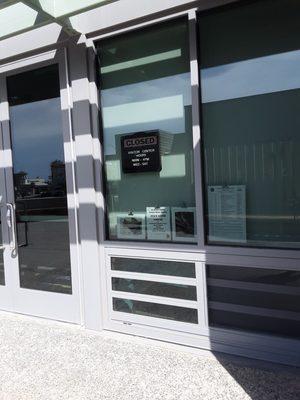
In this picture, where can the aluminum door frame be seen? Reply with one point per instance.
(58, 306)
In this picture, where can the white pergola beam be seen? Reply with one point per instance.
(46, 10)
(66, 8)
(18, 16)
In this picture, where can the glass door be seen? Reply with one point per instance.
(42, 259)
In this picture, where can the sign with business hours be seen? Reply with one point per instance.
(140, 152)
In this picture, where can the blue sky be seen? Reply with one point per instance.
(37, 136)
(252, 77)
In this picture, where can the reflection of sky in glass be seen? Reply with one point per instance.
(154, 104)
(37, 137)
(257, 76)
(138, 62)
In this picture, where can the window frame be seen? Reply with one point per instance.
(201, 246)
(230, 248)
(189, 17)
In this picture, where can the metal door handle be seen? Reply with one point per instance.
(11, 222)
(2, 247)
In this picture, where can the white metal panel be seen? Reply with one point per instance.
(110, 314)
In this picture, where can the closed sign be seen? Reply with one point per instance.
(140, 152)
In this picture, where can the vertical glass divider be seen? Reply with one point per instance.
(196, 126)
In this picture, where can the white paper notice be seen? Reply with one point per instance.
(227, 213)
(158, 223)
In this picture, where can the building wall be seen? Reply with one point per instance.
(96, 254)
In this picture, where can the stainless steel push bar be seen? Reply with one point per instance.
(11, 223)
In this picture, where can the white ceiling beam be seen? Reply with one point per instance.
(47, 9)
(19, 16)
(65, 8)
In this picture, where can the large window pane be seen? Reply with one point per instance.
(164, 311)
(172, 290)
(250, 79)
(158, 267)
(146, 104)
(254, 299)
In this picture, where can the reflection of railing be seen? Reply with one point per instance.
(30, 209)
(44, 206)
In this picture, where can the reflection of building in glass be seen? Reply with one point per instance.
(30, 187)
(55, 186)
(58, 178)
(39, 196)
(20, 178)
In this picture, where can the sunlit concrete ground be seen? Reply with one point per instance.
(41, 359)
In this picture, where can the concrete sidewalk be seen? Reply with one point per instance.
(49, 360)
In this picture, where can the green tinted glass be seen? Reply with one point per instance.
(147, 125)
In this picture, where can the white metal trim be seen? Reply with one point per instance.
(210, 259)
(178, 280)
(28, 61)
(202, 294)
(152, 322)
(148, 298)
(285, 351)
(151, 22)
(209, 250)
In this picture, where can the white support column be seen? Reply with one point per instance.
(99, 180)
(85, 180)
